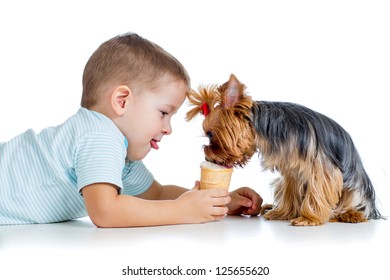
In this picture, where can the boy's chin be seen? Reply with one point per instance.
(138, 156)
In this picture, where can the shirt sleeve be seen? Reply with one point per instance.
(100, 158)
(136, 178)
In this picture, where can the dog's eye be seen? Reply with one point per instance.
(209, 134)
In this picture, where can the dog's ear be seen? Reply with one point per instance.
(231, 92)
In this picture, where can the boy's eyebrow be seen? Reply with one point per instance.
(171, 107)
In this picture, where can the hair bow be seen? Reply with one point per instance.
(205, 109)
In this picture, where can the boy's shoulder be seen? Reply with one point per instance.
(89, 121)
(84, 124)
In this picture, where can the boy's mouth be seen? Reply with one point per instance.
(153, 144)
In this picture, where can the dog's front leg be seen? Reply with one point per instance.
(286, 198)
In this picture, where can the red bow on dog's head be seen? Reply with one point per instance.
(203, 101)
(205, 109)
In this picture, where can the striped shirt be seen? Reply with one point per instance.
(41, 175)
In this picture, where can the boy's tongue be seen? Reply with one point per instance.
(154, 144)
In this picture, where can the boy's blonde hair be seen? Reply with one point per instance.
(130, 60)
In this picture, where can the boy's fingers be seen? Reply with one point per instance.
(219, 211)
(218, 201)
(196, 187)
(244, 201)
(217, 218)
(218, 193)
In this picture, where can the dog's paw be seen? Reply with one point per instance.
(274, 214)
(302, 221)
(350, 216)
(266, 208)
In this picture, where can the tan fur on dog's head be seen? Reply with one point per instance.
(227, 111)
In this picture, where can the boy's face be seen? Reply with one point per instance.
(148, 116)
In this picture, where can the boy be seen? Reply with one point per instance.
(91, 164)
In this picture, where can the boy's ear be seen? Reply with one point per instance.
(119, 97)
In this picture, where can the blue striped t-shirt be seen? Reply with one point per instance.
(41, 175)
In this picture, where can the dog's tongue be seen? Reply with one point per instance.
(154, 144)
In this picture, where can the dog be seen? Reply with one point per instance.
(322, 177)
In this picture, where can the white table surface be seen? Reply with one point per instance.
(79, 250)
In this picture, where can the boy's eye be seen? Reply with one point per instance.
(163, 113)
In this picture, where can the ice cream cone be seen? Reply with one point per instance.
(214, 176)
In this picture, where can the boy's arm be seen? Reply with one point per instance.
(157, 191)
(107, 208)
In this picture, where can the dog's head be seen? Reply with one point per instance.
(227, 112)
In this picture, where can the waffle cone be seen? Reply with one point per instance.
(215, 178)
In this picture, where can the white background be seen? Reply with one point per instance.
(332, 56)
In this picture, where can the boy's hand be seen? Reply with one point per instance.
(199, 206)
(245, 201)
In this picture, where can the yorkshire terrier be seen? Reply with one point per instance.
(322, 177)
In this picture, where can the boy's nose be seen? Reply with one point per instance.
(167, 129)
